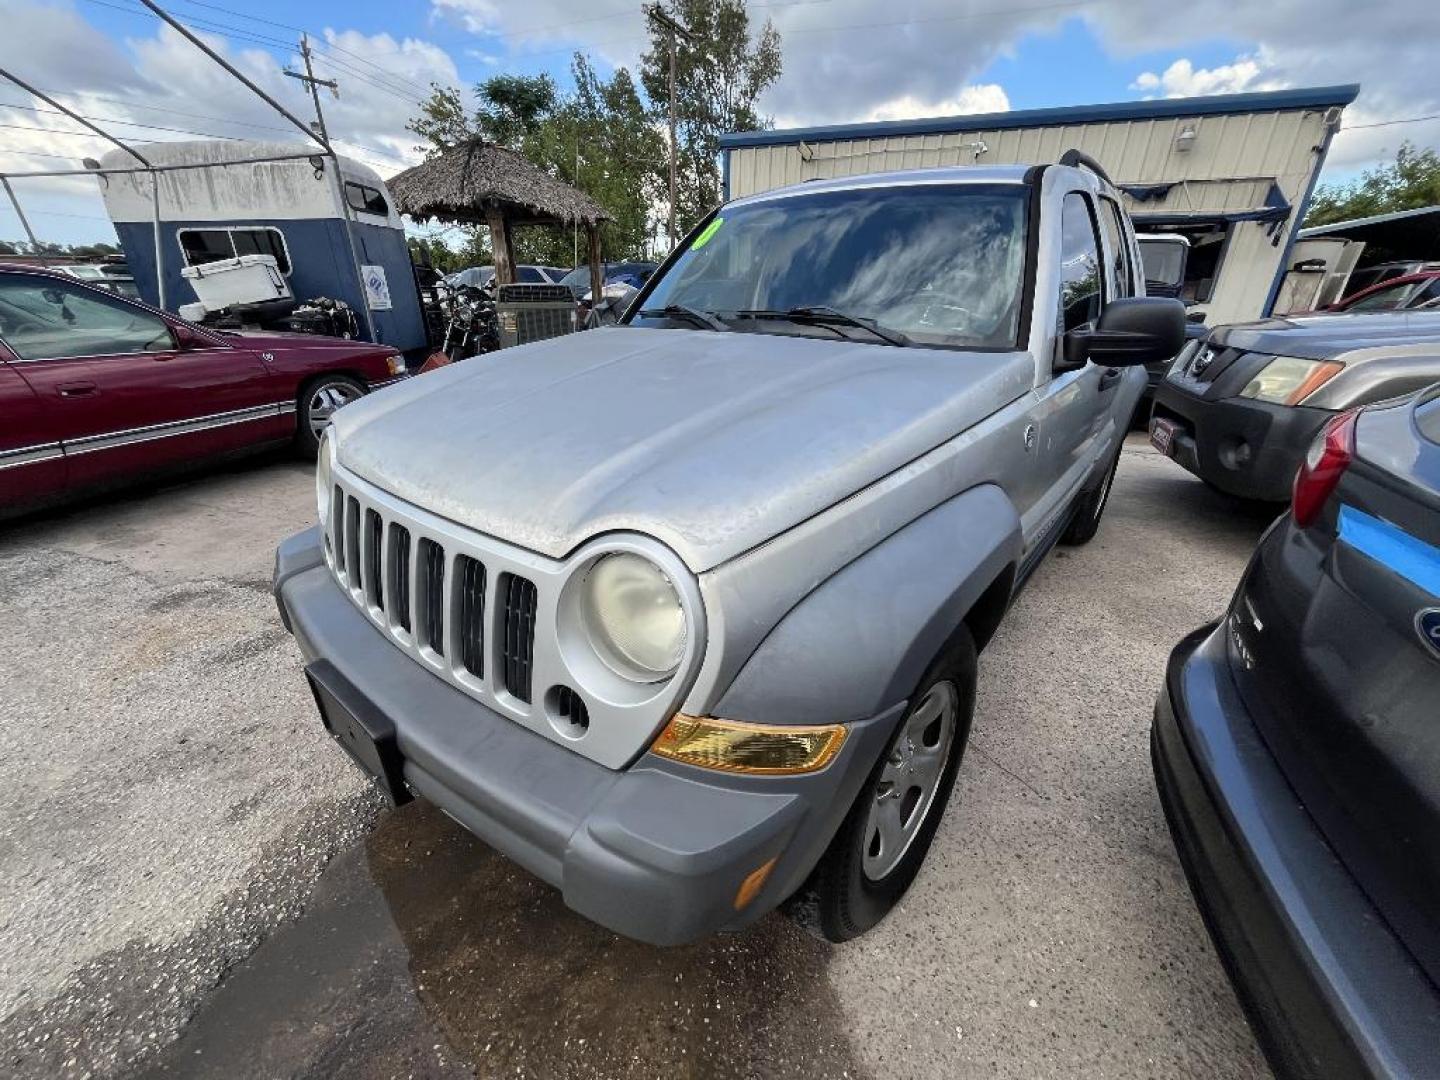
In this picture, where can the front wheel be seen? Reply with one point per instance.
(884, 839)
(318, 403)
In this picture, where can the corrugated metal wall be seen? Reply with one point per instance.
(1229, 166)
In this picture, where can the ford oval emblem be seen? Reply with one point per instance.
(1427, 624)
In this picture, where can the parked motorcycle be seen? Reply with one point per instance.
(473, 328)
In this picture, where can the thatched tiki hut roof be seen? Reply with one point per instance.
(483, 184)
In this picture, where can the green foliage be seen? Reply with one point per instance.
(718, 78)
(598, 138)
(1410, 182)
(75, 251)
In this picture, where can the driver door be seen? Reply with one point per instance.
(124, 396)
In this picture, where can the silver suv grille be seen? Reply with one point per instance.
(486, 617)
(374, 559)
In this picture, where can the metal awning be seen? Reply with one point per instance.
(1404, 234)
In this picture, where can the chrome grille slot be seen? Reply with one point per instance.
(374, 581)
(399, 587)
(517, 622)
(432, 596)
(470, 613)
(337, 526)
(352, 542)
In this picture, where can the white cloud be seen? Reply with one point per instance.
(160, 87)
(978, 98)
(1183, 79)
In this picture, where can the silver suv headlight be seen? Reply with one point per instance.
(324, 480)
(633, 617)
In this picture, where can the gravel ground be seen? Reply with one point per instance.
(172, 800)
(177, 803)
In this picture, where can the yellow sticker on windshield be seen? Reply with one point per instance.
(704, 237)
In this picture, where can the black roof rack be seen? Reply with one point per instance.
(1080, 159)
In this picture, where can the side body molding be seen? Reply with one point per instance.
(860, 642)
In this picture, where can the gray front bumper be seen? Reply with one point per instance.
(656, 851)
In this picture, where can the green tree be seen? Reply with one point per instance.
(718, 78)
(598, 137)
(1409, 182)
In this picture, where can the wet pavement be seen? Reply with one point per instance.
(422, 950)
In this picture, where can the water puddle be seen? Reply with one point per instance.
(425, 953)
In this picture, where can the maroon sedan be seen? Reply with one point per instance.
(1420, 289)
(96, 389)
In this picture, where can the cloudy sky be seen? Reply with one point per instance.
(844, 60)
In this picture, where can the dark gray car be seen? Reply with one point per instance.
(1297, 753)
(1240, 409)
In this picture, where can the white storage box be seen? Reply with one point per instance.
(248, 279)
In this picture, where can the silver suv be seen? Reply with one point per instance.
(682, 615)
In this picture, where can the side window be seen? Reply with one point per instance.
(366, 199)
(211, 245)
(1080, 290)
(530, 274)
(1118, 274)
(42, 319)
(1387, 299)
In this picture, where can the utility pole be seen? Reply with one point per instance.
(674, 30)
(312, 82)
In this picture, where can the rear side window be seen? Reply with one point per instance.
(1080, 264)
(212, 245)
(366, 199)
(1118, 275)
(41, 319)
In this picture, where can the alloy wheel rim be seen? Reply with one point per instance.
(903, 796)
(325, 400)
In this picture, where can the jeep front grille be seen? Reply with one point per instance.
(487, 618)
(371, 557)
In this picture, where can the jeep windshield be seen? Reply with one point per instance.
(924, 264)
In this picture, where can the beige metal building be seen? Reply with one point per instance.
(1234, 173)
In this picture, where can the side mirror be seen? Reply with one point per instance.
(1195, 316)
(186, 338)
(1131, 330)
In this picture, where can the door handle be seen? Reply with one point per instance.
(1109, 379)
(76, 389)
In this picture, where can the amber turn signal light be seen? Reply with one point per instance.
(759, 749)
(751, 886)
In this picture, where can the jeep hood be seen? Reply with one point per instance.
(712, 443)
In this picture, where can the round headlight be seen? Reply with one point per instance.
(633, 617)
(323, 480)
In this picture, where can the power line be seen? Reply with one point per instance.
(1388, 123)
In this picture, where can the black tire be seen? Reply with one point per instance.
(841, 899)
(311, 402)
(1085, 522)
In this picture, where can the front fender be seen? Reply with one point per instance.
(861, 640)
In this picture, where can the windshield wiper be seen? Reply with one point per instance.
(684, 311)
(829, 318)
(822, 314)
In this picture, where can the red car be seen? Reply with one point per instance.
(96, 389)
(1394, 294)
